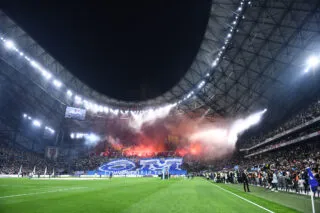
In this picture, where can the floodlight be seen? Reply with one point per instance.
(36, 123)
(72, 135)
(229, 35)
(313, 61)
(69, 93)
(57, 83)
(105, 109)
(78, 99)
(35, 65)
(214, 63)
(240, 8)
(25, 115)
(92, 137)
(79, 135)
(46, 74)
(234, 22)
(29, 118)
(50, 130)
(9, 44)
(100, 108)
(21, 53)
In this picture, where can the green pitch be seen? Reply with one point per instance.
(134, 195)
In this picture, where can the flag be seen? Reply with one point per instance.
(20, 170)
(34, 170)
(45, 171)
(312, 181)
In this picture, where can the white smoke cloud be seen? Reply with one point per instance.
(241, 125)
(149, 116)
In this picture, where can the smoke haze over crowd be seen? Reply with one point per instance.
(143, 135)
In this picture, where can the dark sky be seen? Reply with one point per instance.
(118, 48)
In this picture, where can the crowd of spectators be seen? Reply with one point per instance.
(283, 169)
(12, 158)
(305, 115)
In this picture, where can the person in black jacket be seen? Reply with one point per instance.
(245, 181)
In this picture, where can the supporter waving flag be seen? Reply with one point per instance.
(312, 181)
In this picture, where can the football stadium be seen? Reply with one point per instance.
(192, 106)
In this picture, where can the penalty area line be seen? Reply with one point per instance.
(249, 201)
(37, 193)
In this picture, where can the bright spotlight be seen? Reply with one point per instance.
(50, 129)
(105, 109)
(72, 135)
(69, 93)
(313, 62)
(214, 63)
(36, 123)
(9, 44)
(57, 83)
(25, 115)
(46, 74)
(78, 99)
(92, 137)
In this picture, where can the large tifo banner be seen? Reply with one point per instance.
(75, 113)
(150, 166)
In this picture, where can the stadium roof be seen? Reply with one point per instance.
(251, 50)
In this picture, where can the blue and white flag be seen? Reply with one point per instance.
(312, 181)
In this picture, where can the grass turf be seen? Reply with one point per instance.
(127, 195)
(299, 202)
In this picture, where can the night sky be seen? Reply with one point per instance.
(119, 49)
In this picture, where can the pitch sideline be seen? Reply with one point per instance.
(249, 201)
(36, 193)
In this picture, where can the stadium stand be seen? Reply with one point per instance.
(278, 159)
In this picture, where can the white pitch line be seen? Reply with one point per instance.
(249, 201)
(36, 193)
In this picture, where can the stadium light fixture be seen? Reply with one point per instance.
(9, 44)
(36, 123)
(69, 93)
(50, 129)
(106, 110)
(25, 115)
(240, 10)
(57, 83)
(214, 63)
(78, 99)
(29, 118)
(313, 61)
(47, 75)
(92, 137)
